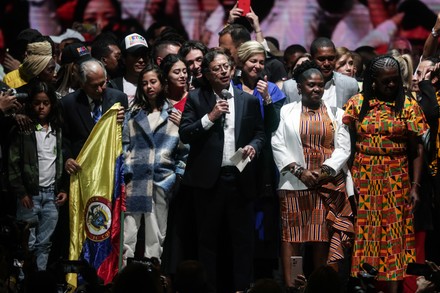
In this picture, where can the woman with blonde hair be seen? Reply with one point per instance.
(251, 57)
(406, 68)
(345, 62)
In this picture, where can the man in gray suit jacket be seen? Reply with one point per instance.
(338, 87)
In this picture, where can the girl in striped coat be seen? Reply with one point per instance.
(154, 160)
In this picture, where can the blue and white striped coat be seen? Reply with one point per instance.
(151, 158)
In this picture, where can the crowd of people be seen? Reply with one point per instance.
(236, 160)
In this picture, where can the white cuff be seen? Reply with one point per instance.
(206, 123)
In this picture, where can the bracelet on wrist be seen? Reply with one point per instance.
(297, 171)
(327, 170)
(416, 184)
(257, 32)
(267, 101)
(435, 33)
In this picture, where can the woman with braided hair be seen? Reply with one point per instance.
(387, 126)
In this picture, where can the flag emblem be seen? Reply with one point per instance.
(98, 218)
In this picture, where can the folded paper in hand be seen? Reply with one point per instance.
(238, 161)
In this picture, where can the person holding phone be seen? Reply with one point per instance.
(251, 58)
(311, 147)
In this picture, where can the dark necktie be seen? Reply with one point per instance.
(97, 111)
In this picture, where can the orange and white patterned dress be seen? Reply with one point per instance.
(317, 215)
(384, 232)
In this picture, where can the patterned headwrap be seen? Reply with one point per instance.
(39, 56)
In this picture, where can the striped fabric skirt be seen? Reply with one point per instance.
(318, 215)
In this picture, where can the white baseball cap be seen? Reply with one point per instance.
(134, 42)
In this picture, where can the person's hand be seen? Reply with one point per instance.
(248, 151)
(300, 282)
(309, 178)
(10, 63)
(253, 20)
(436, 27)
(121, 115)
(61, 198)
(27, 202)
(434, 267)
(24, 122)
(414, 195)
(323, 177)
(71, 166)
(234, 14)
(428, 72)
(397, 18)
(423, 285)
(8, 102)
(175, 116)
(263, 88)
(353, 203)
(221, 107)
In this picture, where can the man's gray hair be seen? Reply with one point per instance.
(86, 67)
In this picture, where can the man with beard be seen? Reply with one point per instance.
(338, 87)
(134, 59)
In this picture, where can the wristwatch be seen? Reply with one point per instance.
(267, 101)
(435, 32)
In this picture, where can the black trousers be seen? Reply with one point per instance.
(223, 213)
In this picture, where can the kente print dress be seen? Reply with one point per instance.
(384, 232)
(317, 215)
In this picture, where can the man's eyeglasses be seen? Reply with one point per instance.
(218, 68)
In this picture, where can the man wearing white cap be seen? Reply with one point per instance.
(134, 59)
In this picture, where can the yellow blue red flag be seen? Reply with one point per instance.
(97, 197)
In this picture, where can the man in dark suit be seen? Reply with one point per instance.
(82, 108)
(215, 127)
(80, 111)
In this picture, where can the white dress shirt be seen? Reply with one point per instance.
(47, 154)
(229, 129)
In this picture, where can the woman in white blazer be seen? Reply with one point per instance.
(311, 147)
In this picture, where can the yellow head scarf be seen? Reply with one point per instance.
(39, 56)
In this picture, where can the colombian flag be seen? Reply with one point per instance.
(97, 198)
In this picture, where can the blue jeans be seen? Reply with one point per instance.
(43, 217)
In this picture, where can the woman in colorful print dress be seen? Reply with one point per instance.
(387, 127)
(311, 147)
